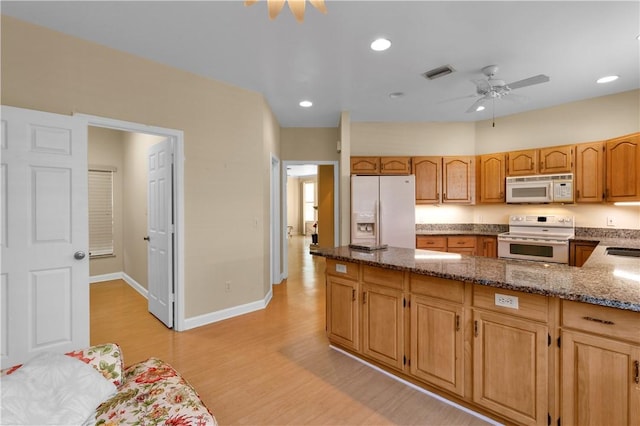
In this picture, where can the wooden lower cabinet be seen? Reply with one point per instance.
(579, 252)
(600, 381)
(510, 367)
(343, 316)
(383, 324)
(437, 343)
(487, 246)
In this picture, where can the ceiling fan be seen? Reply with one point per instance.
(491, 88)
(296, 6)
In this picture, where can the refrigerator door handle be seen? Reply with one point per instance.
(378, 222)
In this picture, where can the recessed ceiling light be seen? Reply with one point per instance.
(607, 79)
(305, 104)
(480, 108)
(380, 44)
(396, 95)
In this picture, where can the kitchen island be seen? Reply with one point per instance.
(523, 342)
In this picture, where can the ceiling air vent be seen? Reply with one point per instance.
(438, 72)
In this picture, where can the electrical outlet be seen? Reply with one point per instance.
(341, 268)
(227, 286)
(611, 221)
(506, 301)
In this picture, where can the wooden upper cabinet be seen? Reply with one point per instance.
(395, 165)
(623, 168)
(556, 159)
(428, 174)
(365, 165)
(521, 163)
(491, 178)
(457, 174)
(589, 173)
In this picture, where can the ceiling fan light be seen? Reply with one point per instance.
(306, 104)
(480, 108)
(607, 79)
(380, 44)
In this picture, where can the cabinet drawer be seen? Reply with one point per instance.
(382, 276)
(431, 243)
(437, 287)
(532, 306)
(342, 269)
(610, 322)
(455, 242)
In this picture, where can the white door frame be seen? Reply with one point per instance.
(276, 223)
(178, 183)
(336, 206)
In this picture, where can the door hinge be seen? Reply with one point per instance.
(549, 419)
(558, 341)
(559, 423)
(404, 302)
(548, 339)
(406, 361)
(172, 298)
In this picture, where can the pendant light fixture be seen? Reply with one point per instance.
(296, 7)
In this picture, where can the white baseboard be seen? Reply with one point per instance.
(224, 314)
(120, 276)
(418, 388)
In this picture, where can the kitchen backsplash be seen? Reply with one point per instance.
(490, 228)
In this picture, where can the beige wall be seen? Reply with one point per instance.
(224, 146)
(412, 139)
(294, 205)
(105, 148)
(309, 144)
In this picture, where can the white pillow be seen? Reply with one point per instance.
(52, 389)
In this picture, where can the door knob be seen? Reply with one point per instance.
(146, 238)
(79, 255)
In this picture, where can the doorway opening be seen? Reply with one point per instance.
(144, 137)
(310, 192)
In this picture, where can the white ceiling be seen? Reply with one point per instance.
(327, 59)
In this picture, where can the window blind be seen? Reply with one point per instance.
(100, 212)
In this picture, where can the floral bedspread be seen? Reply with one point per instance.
(153, 393)
(149, 393)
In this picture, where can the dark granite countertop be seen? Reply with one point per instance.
(605, 280)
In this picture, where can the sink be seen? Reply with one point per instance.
(621, 251)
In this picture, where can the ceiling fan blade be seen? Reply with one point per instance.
(537, 79)
(476, 104)
(275, 6)
(297, 8)
(319, 4)
(474, 95)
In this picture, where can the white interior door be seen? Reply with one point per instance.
(160, 231)
(45, 263)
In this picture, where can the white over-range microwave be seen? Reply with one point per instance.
(540, 189)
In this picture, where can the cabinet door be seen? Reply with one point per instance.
(365, 165)
(491, 178)
(579, 252)
(510, 367)
(521, 163)
(383, 325)
(623, 168)
(428, 174)
(589, 177)
(456, 179)
(437, 343)
(599, 381)
(557, 159)
(487, 246)
(395, 165)
(343, 312)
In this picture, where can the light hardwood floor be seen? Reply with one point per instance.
(269, 367)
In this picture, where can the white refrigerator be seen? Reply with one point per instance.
(383, 211)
